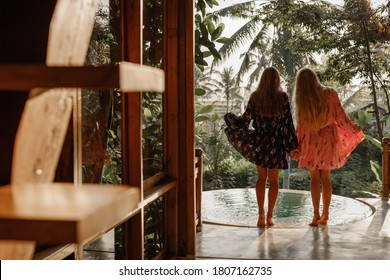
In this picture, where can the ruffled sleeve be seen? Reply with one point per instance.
(348, 133)
(341, 118)
(233, 121)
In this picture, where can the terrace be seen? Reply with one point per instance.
(77, 110)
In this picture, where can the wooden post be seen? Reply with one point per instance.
(171, 119)
(186, 149)
(199, 188)
(133, 229)
(385, 169)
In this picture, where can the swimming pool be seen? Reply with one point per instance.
(293, 208)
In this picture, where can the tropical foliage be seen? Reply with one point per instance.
(342, 43)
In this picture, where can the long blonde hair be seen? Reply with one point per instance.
(310, 100)
(268, 98)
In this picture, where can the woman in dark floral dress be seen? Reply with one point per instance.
(267, 144)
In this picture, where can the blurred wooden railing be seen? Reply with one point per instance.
(76, 215)
(385, 168)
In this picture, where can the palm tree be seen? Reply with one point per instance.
(270, 38)
(226, 86)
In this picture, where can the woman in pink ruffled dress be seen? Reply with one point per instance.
(326, 137)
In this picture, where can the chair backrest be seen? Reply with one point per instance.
(45, 119)
(40, 136)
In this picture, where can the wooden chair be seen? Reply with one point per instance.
(46, 115)
(16, 250)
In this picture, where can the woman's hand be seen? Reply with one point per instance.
(294, 154)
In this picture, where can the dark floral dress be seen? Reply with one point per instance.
(267, 143)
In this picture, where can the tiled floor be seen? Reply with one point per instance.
(368, 239)
(101, 249)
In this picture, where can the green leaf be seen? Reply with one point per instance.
(198, 53)
(200, 61)
(198, 18)
(362, 120)
(374, 141)
(369, 116)
(217, 32)
(206, 54)
(201, 6)
(209, 44)
(203, 9)
(204, 40)
(147, 113)
(197, 35)
(210, 26)
(201, 118)
(201, 67)
(377, 170)
(224, 40)
(215, 53)
(203, 29)
(211, 3)
(206, 109)
(200, 92)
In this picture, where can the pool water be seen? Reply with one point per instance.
(293, 208)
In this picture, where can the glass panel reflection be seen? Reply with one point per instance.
(101, 109)
(154, 229)
(152, 103)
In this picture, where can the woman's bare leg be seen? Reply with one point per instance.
(273, 190)
(326, 195)
(260, 194)
(315, 195)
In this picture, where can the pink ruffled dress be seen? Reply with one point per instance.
(329, 147)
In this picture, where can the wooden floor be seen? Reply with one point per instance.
(368, 239)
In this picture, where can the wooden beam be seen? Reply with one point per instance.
(135, 77)
(59, 252)
(171, 120)
(187, 229)
(125, 76)
(133, 229)
(157, 191)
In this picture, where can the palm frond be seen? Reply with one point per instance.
(259, 45)
(241, 37)
(239, 10)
